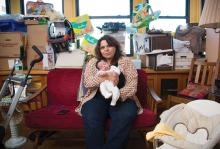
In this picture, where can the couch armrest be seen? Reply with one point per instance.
(154, 100)
(36, 101)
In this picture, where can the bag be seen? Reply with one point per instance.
(193, 34)
(81, 25)
(10, 25)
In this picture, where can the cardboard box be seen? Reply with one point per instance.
(47, 62)
(31, 55)
(10, 43)
(184, 55)
(183, 60)
(6, 63)
(145, 43)
(37, 34)
(162, 59)
(144, 61)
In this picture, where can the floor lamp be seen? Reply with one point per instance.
(210, 19)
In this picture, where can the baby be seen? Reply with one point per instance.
(107, 87)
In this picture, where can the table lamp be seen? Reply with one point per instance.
(210, 19)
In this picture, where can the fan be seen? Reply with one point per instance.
(9, 106)
(15, 140)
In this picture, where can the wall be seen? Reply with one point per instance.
(195, 11)
(15, 6)
(212, 45)
(69, 10)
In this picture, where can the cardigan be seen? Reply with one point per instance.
(92, 82)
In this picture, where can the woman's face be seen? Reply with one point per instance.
(107, 51)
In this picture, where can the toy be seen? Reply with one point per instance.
(142, 17)
(107, 87)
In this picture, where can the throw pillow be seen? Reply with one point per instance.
(195, 90)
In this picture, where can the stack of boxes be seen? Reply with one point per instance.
(183, 54)
(37, 34)
(183, 59)
(11, 44)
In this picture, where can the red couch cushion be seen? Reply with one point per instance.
(63, 86)
(142, 87)
(50, 118)
(146, 119)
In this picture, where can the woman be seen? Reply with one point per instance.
(95, 109)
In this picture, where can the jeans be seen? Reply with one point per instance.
(96, 111)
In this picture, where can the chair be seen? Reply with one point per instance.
(200, 82)
(57, 112)
(197, 122)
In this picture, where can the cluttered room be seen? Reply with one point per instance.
(110, 74)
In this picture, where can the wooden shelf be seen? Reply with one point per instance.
(155, 78)
(39, 77)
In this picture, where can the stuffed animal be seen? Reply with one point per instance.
(107, 88)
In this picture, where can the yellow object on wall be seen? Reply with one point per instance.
(69, 8)
(195, 11)
(15, 6)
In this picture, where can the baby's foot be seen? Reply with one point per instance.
(115, 96)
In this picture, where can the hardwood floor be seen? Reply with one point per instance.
(134, 143)
(64, 140)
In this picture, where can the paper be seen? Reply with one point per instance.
(72, 59)
(11, 63)
(141, 43)
(164, 60)
(158, 51)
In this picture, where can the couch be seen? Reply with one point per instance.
(58, 99)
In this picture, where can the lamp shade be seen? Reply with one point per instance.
(210, 17)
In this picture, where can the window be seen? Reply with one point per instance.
(2, 7)
(57, 4)
(172, 14)
(101, 11)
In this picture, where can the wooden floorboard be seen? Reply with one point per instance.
(57, 141)
(64, 140)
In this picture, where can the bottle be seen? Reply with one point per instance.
(18, 67)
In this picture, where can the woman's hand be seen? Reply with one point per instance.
(114, 79)
(111, 77)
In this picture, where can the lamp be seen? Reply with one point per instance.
(210, 19)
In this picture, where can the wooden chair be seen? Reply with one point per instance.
(202, 74)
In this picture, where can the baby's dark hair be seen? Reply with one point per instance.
(98, 63)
